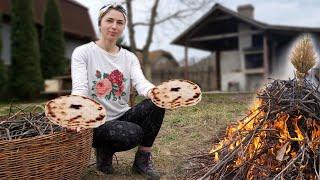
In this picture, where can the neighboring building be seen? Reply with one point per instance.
(162, 62)
(160, 59)
(76, 24)
(245, 50)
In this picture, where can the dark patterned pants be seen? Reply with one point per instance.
(138, 126)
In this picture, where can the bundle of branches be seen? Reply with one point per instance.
(24, 124)
(280, 136)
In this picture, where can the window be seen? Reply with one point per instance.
(257, 41)
(253, 61)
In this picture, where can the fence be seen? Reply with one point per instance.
(204, 76)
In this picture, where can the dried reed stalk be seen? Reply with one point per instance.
(303, 57)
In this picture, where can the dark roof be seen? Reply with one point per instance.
(74, 17)
(218, 8)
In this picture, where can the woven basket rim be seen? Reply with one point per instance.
(42, 137)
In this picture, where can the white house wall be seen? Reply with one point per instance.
(231, 70)
(234, 75)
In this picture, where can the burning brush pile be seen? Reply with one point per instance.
(25, 124)
(280, 136)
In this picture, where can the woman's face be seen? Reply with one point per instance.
(112, 25)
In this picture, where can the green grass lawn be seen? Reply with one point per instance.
(185, 132)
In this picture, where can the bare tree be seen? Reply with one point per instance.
(182, 9)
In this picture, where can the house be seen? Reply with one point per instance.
(76, 24)
(160, 59)
(161, 62)
(245, 51)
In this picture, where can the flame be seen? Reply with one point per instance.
(297, 130)
(287, 135)
(247, 125)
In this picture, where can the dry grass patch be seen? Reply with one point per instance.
(185, 132)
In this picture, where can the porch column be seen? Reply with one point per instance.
(218, 70)
(265, 57)
(186, 65)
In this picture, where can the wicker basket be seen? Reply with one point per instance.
(61, 155)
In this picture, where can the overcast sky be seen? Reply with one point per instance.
(280, 12)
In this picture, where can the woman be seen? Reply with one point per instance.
(102, 70)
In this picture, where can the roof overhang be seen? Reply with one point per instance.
(218, 30)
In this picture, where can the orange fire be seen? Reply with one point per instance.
(273, 143)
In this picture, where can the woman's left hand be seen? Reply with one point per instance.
(73, 129)
(149, 94)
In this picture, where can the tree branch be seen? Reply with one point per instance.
(180, 14)
(152, 24)
(130, 26)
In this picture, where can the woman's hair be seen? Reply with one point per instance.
(106, 8)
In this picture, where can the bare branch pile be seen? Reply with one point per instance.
(280, 137)
(23, 124)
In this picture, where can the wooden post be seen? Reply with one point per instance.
(265, 56)
(218, 70)
(186, 65)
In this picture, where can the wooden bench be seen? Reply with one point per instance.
(57, 86)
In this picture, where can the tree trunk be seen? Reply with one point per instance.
(146, 65)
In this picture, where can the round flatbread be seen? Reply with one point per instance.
(75, 112)
(176, 93)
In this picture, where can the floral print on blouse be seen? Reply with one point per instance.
(109, 86)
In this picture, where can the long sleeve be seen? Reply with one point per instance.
(79, 73)
(141, 84)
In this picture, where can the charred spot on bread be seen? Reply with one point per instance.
(191, 99)
(189, 103)
(94, 102)
(74, 118)
(100, 117)
(75, 106)
(91, 121)
(191, 82)
(74, 123)
(196, 95)
(175, 89)
(176, 99)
